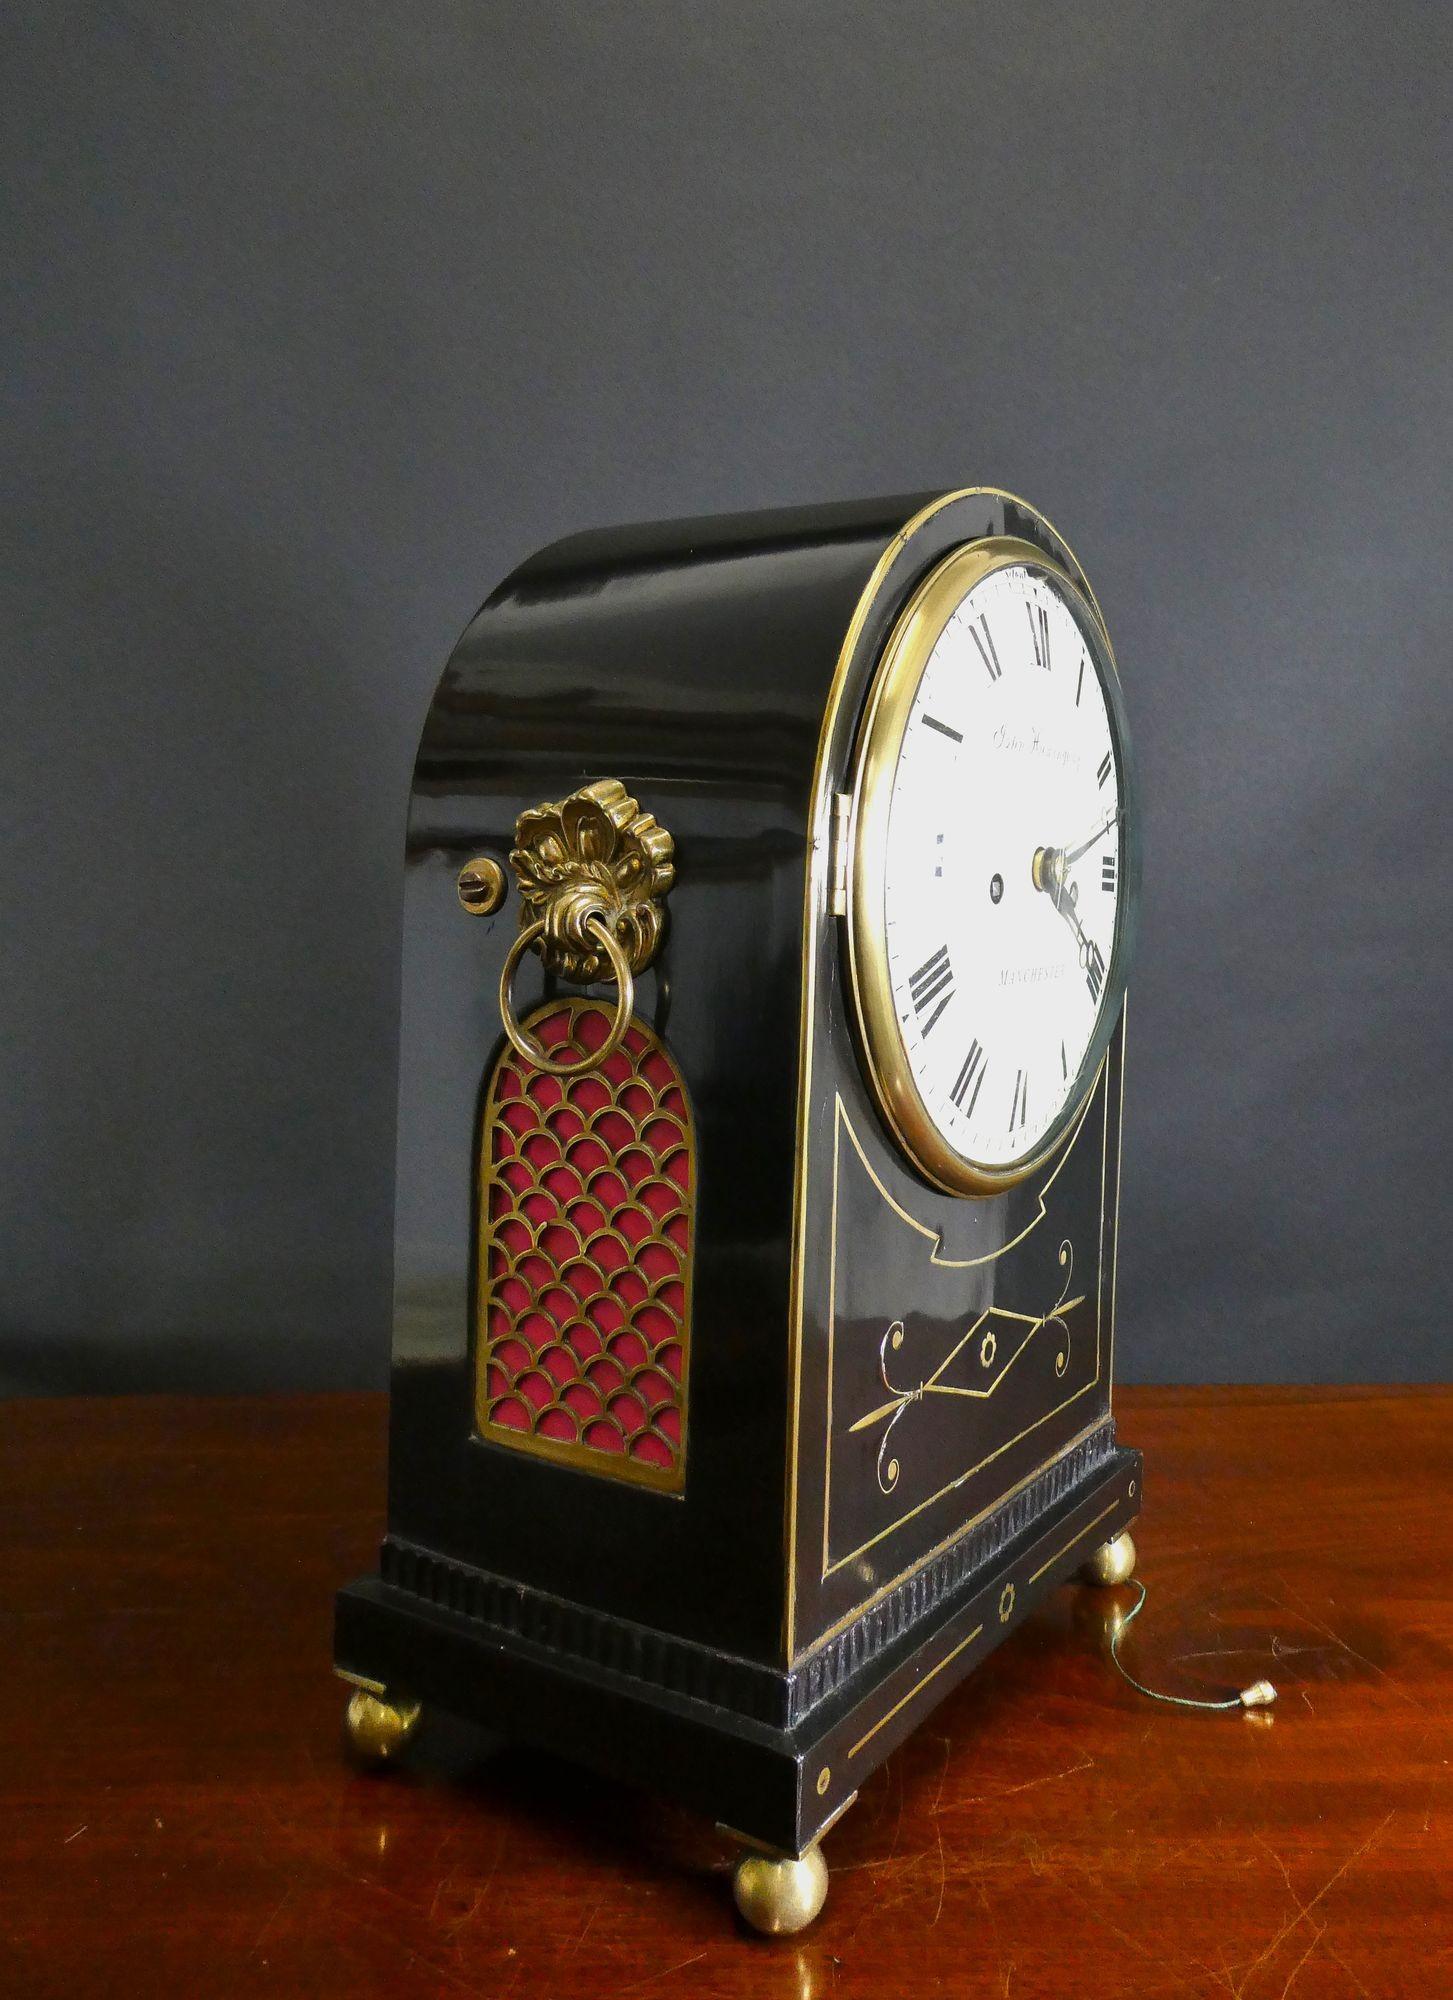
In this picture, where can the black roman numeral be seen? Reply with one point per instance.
(1019, 1111)
(971, 1073)
(1039, 633)
(934, 977)
(1064, 1061)
(1094, 970)
(1079, 684)
(986, 646)
(932, 722)
(1107, 874)
(1106, 768)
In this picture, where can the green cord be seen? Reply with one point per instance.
(1259, 1695)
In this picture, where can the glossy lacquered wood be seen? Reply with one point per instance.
(177, 1816)
(717, 669)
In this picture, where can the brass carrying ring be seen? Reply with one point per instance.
(526, 1045)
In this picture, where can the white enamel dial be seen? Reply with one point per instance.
(996, 868)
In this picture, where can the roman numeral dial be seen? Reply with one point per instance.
(983, 639)
(931, 988)
(1039, 634)
(969, 1079)
(989, 935)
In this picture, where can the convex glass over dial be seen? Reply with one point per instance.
(993, 865)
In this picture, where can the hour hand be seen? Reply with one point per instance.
(1049, 876)
(1048, 872)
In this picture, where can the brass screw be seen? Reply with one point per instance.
(824, 1779)
(481, 885)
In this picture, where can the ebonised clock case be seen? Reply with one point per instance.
(756, 1645)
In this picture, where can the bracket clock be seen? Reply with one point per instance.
(770, 890)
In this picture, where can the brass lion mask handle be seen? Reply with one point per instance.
(592, 872)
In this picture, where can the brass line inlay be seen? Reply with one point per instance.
(830, 1567)
(816, 905)
(935, 1236)
(1079, 1536)
(917, 1688)
(960, 1529)
(977, 1632)
(816, 899)
(902, 1400)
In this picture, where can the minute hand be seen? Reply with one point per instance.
(1070, 854)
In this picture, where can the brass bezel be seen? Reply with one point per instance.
(880, 738)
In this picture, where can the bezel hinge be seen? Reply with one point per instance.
(842, 813)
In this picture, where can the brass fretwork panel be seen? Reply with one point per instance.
(587, 1196)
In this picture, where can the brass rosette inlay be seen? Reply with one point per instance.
(595, 858)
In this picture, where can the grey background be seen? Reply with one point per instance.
(322, 317)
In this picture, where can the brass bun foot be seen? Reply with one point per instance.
(378, 1729)
(1113, 1562)
(778, 1895)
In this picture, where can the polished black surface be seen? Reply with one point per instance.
(692, 661)
(1004, 1304)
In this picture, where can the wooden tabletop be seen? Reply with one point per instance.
(177, 1815)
